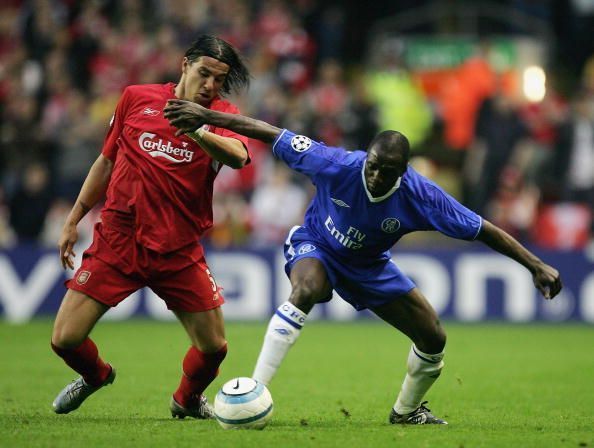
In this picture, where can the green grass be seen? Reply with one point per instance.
(503, 386)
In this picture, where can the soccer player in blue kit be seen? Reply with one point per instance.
(364, 203)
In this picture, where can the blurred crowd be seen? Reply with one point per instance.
(529, 167)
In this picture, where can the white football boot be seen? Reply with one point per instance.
(73, 395)
(202, 409)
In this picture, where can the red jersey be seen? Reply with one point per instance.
(161, 185)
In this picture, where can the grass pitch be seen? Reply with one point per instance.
(503, 386)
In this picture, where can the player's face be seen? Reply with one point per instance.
(382, 170)
(203, 79)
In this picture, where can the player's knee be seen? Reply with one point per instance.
(67, 337)
(433, 340)
(304, 296)
(211, 341)
(213, 345)
(437, 340)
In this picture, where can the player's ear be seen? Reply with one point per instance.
(186, 64)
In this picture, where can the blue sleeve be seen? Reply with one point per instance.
(448, 216)
(305, 155)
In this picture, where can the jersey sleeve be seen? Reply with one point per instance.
(110, 146)
(231, 109)
(304, 154)
(448, 216)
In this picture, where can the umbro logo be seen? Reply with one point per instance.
(151, 112)
(340, 203)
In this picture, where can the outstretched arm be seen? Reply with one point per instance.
(91, 192)
(546, 278)
(188, 116)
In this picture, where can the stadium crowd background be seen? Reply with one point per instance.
(528, 167)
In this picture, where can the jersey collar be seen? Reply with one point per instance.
(381, 198)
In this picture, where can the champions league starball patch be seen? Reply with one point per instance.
(300, 143)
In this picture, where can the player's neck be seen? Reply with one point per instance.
(179, 89)
(379, 196)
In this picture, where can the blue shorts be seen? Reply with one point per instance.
(364, 283)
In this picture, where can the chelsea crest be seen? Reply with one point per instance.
(390, 225)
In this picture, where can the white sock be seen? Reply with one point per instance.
(283, 330)
(423, 370)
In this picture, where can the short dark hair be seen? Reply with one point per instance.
(392, 141)
(238, 77)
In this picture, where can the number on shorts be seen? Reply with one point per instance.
(212, 281)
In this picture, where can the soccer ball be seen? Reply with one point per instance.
(243, 403)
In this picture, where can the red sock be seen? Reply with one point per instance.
(85, 360)
(199, 369)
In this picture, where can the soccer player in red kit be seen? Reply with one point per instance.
(158, 190)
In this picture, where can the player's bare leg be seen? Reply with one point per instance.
(201, 363)
(76, 317)
(413, 315)
(310, 284)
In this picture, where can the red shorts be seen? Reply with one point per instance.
(115, 266)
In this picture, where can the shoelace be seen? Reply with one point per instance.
(203, 404)
(75, 386)
(422, 407)
(204, 408)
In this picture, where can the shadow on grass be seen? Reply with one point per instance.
(119, 420)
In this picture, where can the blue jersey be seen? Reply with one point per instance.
(346, 220)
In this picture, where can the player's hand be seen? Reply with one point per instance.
(66, 244)
(186, 116)
(547, 280)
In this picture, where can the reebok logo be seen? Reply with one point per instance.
(159, 148)
(150, 112)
